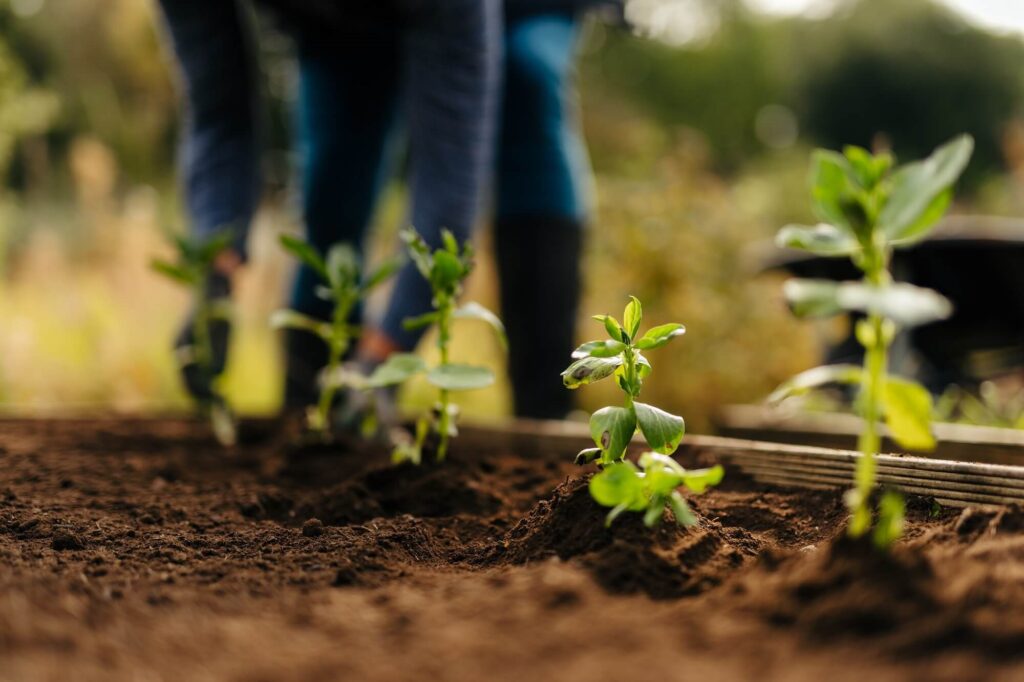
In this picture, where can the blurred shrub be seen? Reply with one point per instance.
(678, 241)
(907, 71)
(911, 71)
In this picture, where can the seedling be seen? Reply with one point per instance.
(445, 269)
(621, 484)
(869, 208)
(344, 287)
(193, 268)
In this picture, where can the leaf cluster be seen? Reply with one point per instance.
(344, 286)
(445, 269)
(870, 207)
(194, 260)
(192, 268)
(621, 484)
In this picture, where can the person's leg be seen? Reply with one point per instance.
(543, 200)
(220, 152)
(346, 111)
(452, 63)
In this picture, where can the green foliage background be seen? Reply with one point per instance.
(692, 177)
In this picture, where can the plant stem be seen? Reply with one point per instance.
(875, 367)
(202, 346)
(337, 347)
(443, 340)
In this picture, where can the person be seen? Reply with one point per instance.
(543, 200)
(346, 117)
(363, 68)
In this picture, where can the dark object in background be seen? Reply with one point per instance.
(538, 266)
(977, 263)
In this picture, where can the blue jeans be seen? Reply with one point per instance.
(438, 73)
(543, 168)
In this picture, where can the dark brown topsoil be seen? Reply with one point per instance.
(139, 550)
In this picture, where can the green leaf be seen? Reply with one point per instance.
(923, 225)
(342, 267)
(305, 253)
(662, 474)
(475, 311)
(819, 376)
(420, 321)
(812, 297)
(450, 242)
(384, 272)
(832, 189)
(173, 271)
(822, 240)
(908, 413)
(868, 169)
(418, 251)
(632, 316)
(447, 271)
(656, 337)
(588, 370)
(599, 349)
(891, 515)
(655, 510)
(904, 304)
(699, 480)
(681, 510)
(586, 456)
(617, 485)
(643, 366)
(612, 326)
(398, 368)
(612, 428)
(290, 319)
(661, 430)
(460, 377)
(916, 186)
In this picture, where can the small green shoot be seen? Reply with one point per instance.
(344, 287)
(446, 269)
(193, 268)
(869, 208)
(621, 484)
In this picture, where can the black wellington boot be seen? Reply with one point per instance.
(539, 269)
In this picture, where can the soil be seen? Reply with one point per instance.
(139, 550)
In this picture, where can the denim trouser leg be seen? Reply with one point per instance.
(543, 200)
(543, 169)
(347, 105)
(451, 67)
(220, 154)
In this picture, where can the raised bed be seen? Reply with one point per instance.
(140, 550)
(956, 442)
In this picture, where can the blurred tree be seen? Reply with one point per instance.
(909, 72)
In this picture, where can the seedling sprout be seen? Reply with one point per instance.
(869, 208)
(193, 269)
(344, 287)
(446, 269)
(620, 484)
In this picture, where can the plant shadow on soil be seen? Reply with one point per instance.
(155, 512)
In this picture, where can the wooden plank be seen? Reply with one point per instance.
(950, 482)
(955, 441)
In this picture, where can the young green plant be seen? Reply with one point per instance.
(869, 208)
(445, 269)
(193, 269)
(344, 287)
(620, 484)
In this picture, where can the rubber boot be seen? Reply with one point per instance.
(539, 268)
